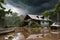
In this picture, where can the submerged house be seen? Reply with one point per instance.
(55, 26)
(35, 18)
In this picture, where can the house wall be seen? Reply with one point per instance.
(27, 17)
(26, 20)
(37, 21)
(42, 23)
(45, 23)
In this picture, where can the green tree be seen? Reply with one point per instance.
(3, 13)
(51, 14)
(14, 20)
(54, 14)
(57, 7)
(45, 13)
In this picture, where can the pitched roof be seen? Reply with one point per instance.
(36, 17)
(54, 24)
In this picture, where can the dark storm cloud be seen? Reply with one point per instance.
(19, 4)
(33, 6)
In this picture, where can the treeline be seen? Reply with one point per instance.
(14, 20)
(53, 14)
(3, 13)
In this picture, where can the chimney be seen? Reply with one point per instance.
(37, 16)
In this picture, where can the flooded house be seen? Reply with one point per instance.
(35, 18)
(55, 26)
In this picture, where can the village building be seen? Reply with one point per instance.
(55, 26)
(35, 18)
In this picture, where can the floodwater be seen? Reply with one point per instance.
(16, 35)
(25, 35)
(19, 36)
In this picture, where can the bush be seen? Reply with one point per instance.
(35, 25)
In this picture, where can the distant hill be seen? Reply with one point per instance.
(34, 6)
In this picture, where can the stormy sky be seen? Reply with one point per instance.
(29, 6)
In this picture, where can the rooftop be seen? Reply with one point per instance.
(37, 17)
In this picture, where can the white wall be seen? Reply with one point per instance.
(44, 23)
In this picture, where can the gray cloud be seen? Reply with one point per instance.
(33, 6)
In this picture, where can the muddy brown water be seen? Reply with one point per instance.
(17, 30)
(26, 33)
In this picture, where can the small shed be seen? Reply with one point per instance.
(35, 18)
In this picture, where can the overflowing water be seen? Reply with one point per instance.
(19, 36)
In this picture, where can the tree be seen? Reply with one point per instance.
(51, 14)
(54, 14)
(58, 11)
(3, 13)
(14, 20)
(45, 13)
